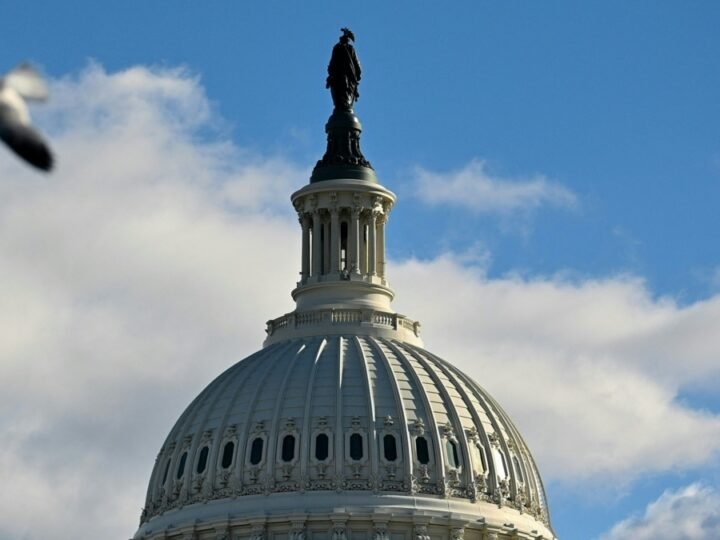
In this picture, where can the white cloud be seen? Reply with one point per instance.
(473, 188)
(131, 277)
(692, 513)
(590, 370)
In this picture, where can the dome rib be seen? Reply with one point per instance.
(400, 410)
(372, 414)
(455, 423)
(247, 421)
(305, 441)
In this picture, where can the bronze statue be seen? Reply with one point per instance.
(343, 157)
(344, 72)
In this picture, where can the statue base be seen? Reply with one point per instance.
(343, 157)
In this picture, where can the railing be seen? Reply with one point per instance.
(343, 317)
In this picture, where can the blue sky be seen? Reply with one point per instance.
(592, 129)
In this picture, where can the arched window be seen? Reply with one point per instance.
(256, 451)
(167, 469)
(288, 448)
(228, 452)
(422, 450)
(356, 447)
(390, 447)
(322, 447)
(202, 460)
(181, 466)
(452, 454)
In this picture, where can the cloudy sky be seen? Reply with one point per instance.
(557, 233)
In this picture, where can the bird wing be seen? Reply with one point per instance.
(24, 140)
(27, 82)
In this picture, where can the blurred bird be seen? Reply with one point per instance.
(20, 84)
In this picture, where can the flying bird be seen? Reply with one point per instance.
(20, 84)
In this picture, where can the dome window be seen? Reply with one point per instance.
(167, 469)
(181, 466)
(483, 458)
(202, 460)
(422, 450)
(322, 447)
(500, 463)
(356, 447)
(518, 470)
(228, 452)
(452, 454)
(288, 448)
(256, 451)
(390, 447)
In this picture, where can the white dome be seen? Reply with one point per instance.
(307, 425)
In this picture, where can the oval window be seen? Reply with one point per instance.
(452, 454)
(422, 450)
(202, 460)
(390, 447)
(483, 459)
(181, 466)
(167, 469)
(518, 470)
(288, 448)
(227, 457)
(256, 451)
(322, 447)
(356, 447)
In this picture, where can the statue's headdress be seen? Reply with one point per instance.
(348, 33)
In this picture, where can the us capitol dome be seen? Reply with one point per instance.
(343, 427)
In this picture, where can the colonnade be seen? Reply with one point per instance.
(341, 242)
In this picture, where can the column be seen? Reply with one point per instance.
(372, 244)
(363, 245)
(305, 263)
(316, 246)
(326, 247)
(354, 241)
(381, 245)
(334, 241)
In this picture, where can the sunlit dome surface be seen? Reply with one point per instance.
(311, 424)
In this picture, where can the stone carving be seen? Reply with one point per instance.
(457, 533)
(421, 532)
(296, 534)
(380, 533)
(418, 427)
(339, 533)
(448, 431)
